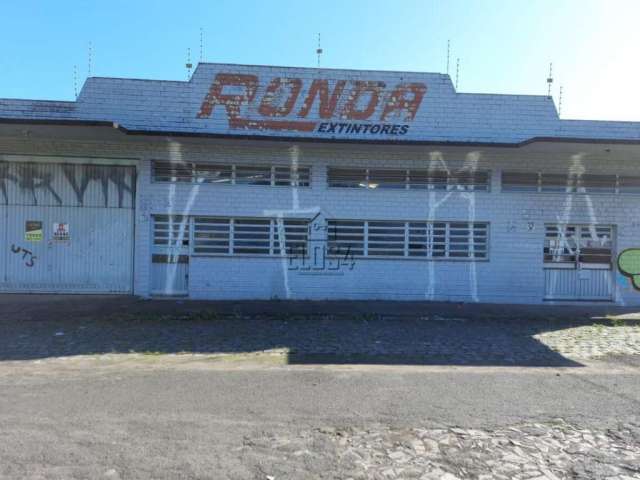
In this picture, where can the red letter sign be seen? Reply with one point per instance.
(398, 102)
(373, 89)
(231, 102)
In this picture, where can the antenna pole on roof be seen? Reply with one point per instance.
(448, 54)
(90, 54)
(560, 102)
(201, 45)
(189, 65)
(319, 50)
(550, 80)
(75, 81)
(457, 72)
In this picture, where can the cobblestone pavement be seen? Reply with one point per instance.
(394, 333)
(593, 341)
(46, 430)
(529, 451)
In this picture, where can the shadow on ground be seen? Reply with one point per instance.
(380, 332)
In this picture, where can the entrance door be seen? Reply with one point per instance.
(577, 262)
(170, 257)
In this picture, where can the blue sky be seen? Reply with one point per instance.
(504, 46)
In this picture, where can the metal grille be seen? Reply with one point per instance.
(629, 184)
(172, 172)
(186, 172)
(249, 236)
(556, 183)
(170, 231)
(386, 238)
(252, 236)
(347, 177)
(295, 176)
(211, 235)
(388, 179)
(210, 173)
(418, 179)
(596, 184)
(520, 182)
(252, 175)
(444, 240)
(573, 244)
(296, 236)
(428, 239)
(346, 237)
(461, 240)
(565, 183)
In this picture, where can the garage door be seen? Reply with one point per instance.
(66, 228)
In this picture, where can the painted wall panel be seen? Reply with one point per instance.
(96, 258)
(95, 202)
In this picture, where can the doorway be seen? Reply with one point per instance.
(578, 262)
(170, 255)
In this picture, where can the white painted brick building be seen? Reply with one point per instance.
(271, 182)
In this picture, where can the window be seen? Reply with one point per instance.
(388, 179)
(629, 184)
(597, 184)
(520, 182)
(170, 231)
(469, 181)
(428, 239)
(386, 238)
(429, 179)
(296, 236)
(294, 176)
(172, 172)
(448, 240)
(252, 175)
(185, 172)
(556, 183)
(346, 237)
(564, 183)
(211, 235)
(569, 245)
(347, 177)
(415, 179)
(210, 173)
(432, 240)
(249, 236)
(252, 236)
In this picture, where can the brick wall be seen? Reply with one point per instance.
(513, 273)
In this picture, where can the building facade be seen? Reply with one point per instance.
(252, 182)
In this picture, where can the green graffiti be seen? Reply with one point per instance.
(629, 265)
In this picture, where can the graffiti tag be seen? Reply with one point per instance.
(33, 178)
(629, 265)
(27, 255)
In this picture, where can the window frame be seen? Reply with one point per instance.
(275, 174)
(485, 226)
(448, 185)
(273, 250)
(574, 185)
(576, 263)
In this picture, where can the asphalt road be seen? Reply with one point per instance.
(167, 417)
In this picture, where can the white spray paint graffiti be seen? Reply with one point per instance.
(438, 163)
(175, 153)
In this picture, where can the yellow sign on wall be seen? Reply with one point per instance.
(33, 231)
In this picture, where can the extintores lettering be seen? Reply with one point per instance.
(354, 107)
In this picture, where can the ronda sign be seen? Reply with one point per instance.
(360, 107)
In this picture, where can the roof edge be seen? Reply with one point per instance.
(160, 133)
